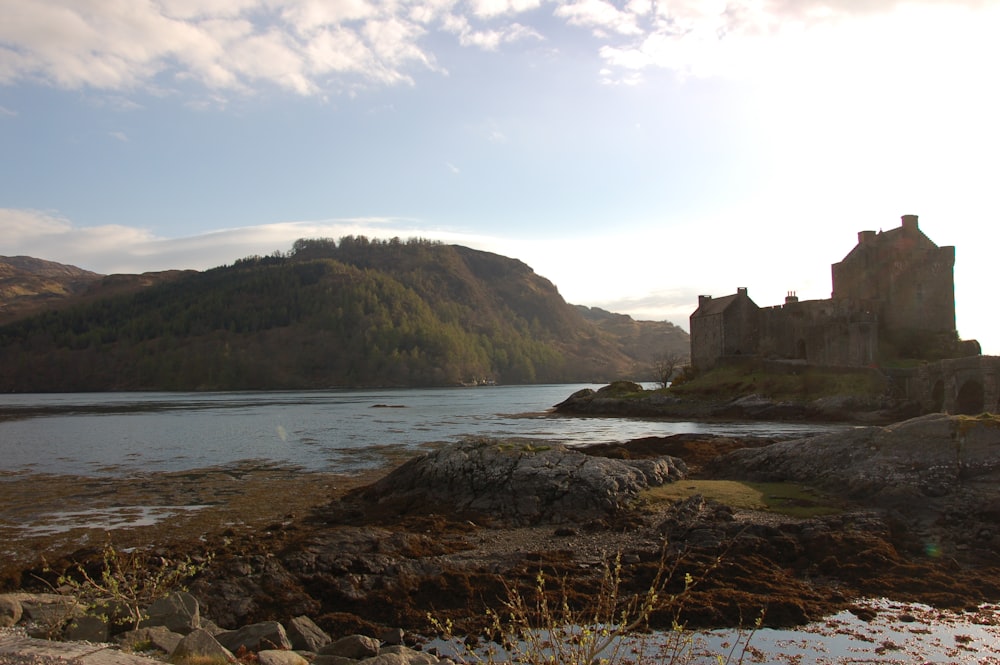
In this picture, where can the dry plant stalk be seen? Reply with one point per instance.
(611, 630)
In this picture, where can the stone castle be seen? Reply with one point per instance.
(893, 298)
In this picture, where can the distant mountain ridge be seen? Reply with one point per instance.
(644, 341)
(28, 284)
(327, 314)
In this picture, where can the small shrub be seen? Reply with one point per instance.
(127, 582)
(543, 629)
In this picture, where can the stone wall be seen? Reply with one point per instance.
(968, 385)
(825, 332)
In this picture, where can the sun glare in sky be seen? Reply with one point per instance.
(637, 153)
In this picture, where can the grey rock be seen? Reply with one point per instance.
(279, 657)
(201, 648)
(179, 612)
(404, 657)
(230, 600)
(929, 456)
(49, 609)
(938, 474)
(352, 646)
(305, 635)
(328, 659)
(411, 656)
(209, 626)
(10, 610)
(157, 637)
(86, 628)
(391, 636)
(256, 637)
(521, 482)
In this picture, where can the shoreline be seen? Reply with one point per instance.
(386, 567)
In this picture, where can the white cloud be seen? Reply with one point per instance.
(490, 8)
(488, 39)
(121, 44)
(307, 16)
(309, 46)
(196, 9)
(47, 235)
(599, 15)
(17, 226)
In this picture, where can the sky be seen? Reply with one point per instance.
(637, 153)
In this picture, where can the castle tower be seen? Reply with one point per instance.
(909, 279)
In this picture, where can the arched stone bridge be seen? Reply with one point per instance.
(959, 385)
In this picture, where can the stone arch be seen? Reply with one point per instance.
(969, 400)
(937, 396)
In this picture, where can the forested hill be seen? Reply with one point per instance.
(353, 313)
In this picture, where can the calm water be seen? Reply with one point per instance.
(337, 430)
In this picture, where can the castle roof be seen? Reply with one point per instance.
(904, 238)
(707, 305)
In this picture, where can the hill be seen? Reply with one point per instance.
(29, 285)
(327, 314)
(646, 342)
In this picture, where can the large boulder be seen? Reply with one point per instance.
(156, 637)
(86, 628)
(355, 647)
(930, 456)
(519, 482)
(279, 657)
(179, 612)
(199, 648)
(255, 637)
(305, 635)
(939, 474)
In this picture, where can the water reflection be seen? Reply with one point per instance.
(115, 433)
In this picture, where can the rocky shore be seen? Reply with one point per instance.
(624, 398)
(910, 512)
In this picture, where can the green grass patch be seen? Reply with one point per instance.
(788, 499)
(795, 383)
(968, 423)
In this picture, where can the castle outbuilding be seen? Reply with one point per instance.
(893, 297)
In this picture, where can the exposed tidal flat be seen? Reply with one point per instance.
(285, 482)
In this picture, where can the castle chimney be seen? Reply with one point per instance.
(703, 299)
(791, 297)
(741, 290)
(910, 223)
(865, 236)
